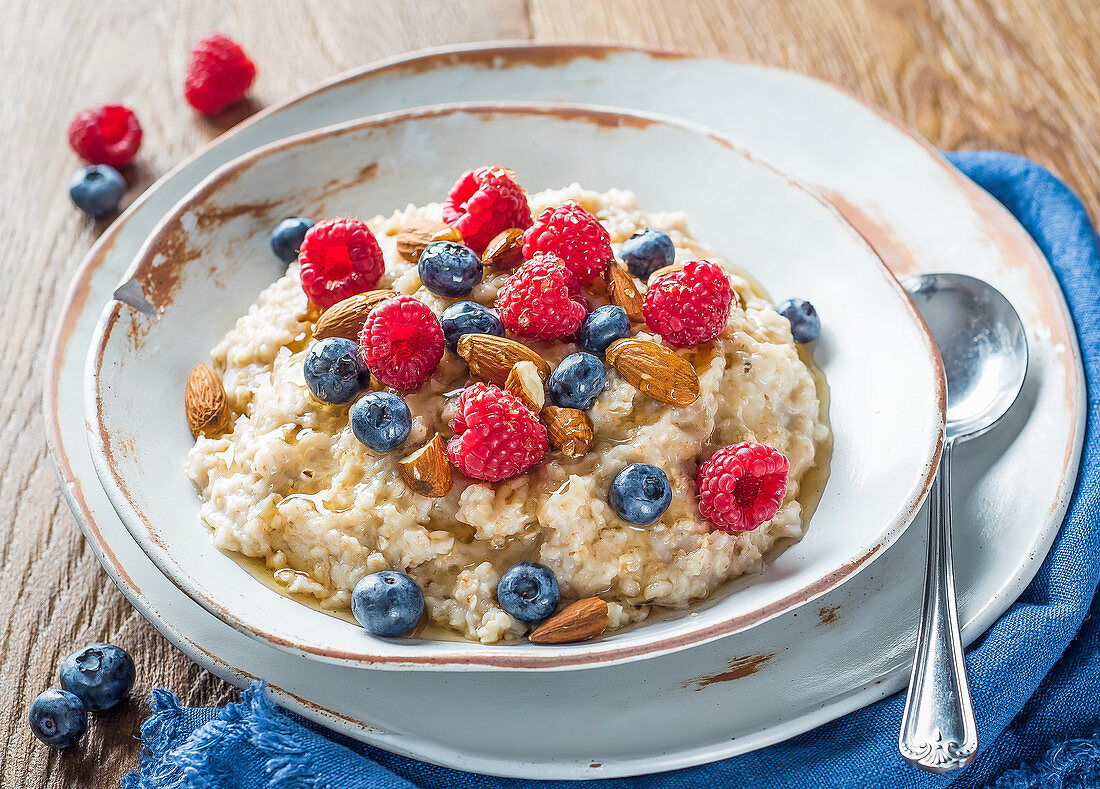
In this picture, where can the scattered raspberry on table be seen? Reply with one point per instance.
(496, 436)
(108, 135)
(742, 486)
(484, 202)
(219, 73)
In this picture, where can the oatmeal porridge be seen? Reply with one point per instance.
(289, 480)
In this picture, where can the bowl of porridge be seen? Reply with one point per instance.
(529, 396)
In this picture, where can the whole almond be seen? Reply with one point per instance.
(427, 471)
(622, 290)
(345, 318)
(579, 621)
(205, 402)
(491, 358)
(569, 430)
(418, 233)
(505, 250)
(670, 269)
(654, 370)
(525, 383)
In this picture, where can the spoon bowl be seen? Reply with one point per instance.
(982, 344)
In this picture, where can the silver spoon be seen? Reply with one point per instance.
(984, 352)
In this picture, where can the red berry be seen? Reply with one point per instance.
(495, 436)
(109, 134)
(484, 202)
(401, 342)
(538, 301)
(742, 486)
(219, 73)
(575, 236)
(339, 258)
(689, 306)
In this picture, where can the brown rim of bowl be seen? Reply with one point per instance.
(577, 658)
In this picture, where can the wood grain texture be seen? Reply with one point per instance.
(1021, 76)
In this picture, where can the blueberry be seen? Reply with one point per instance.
(381, 421)
(468, 317)
(332, 370)
(528, 591)
(647, 251)
(97, 190)
(641, 493)
(286, 238)
(602, 327)
(388, 603)
(58, 718)
(577, 381)
(449, 269)
(805, 324)
(100, 675)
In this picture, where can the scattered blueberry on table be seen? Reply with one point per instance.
(387, 603)
(528, 591)
(100, 675)
(58, 718)
(577, 381)
(381, 421)
(332, 370)
(286, 238)
(641, 493)
(603, 326)
(468, 317)
(805, 323)
(646, 251)
(447, 268)
(97, 190)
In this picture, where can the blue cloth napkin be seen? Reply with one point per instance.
(1035, 675)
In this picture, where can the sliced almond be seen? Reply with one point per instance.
(205, 402)
(418, 233)
(578, 621)
(670, 269)
(569, 430)
(345, 318)
(622, 290)
(491, 358)
(427, 471)
(525, 383)
(505, 250)
(654, 370)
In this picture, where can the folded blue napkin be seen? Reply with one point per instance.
(1035, 675)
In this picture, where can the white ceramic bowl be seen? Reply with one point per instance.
(209, 258)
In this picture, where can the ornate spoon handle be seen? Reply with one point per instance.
(938, 730)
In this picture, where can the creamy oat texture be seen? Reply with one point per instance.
(292, 486)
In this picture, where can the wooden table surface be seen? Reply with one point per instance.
(1021, 75)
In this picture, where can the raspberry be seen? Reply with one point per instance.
(219, 73)
(401, 342)
(109, 135)
(484, 202)
(742, 485)
(575, 236)
(495, 436)
(339, 258)
(537, 300)
(689, 306)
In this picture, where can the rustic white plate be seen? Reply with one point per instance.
(783, 677)
(209, 258)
